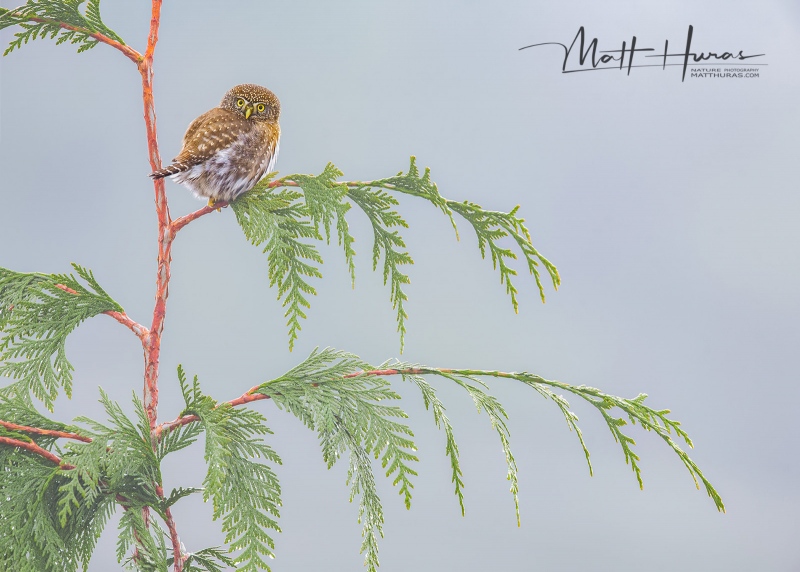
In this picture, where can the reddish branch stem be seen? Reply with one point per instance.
(121, 317)
(406, 371)
(128, 51)
(151, 339)
(138, 329)
(34, 448)
(46, 432)
(153, 342)
(152, 38)
(165, 235)
(250, 395)
(66, 289)
(181, 222)
(173, 532)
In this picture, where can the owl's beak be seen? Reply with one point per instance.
(248, 111)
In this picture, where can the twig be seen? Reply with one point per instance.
(250, 395)
(121, 317)
(247, 397)
(46, 432)
(181, 222)
(138, 329)
(34, 448)
(128, 51)
(173, 532)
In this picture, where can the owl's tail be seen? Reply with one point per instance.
(170, 170)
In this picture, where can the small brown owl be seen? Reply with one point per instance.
(230, 148)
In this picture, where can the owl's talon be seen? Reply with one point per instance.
(211, 203)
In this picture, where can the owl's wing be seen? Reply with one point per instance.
(209, 134)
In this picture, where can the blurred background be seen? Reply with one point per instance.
(669, 207)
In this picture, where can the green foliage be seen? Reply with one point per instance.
(62, 18)
(411, 183)
(31, 538)
(277, 220)
(635, 410)
(339, 396)
(176, 439)
(379, 208)
(19, 409)
(206, 560)
(120, 459)
(284, 220)
(37, 313)
(490, 227)
(652, 420)
(324, 202)
(433, 403)
(57, 513)
(331, 396)
(245, 493)
(148, 538)
(54, 515)
(120, 465)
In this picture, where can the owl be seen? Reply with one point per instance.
(230, 148)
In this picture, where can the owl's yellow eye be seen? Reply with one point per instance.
(261, 107)
(239, 102)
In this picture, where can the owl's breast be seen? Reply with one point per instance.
(228, 154)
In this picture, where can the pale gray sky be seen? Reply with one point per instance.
(670, 209)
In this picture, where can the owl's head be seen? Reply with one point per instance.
(253, 102)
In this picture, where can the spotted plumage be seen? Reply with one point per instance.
(230, 148)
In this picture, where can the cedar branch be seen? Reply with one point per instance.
(250, 395)
(45, 432)
(126, 50)
(121, 317)
(36, 449)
